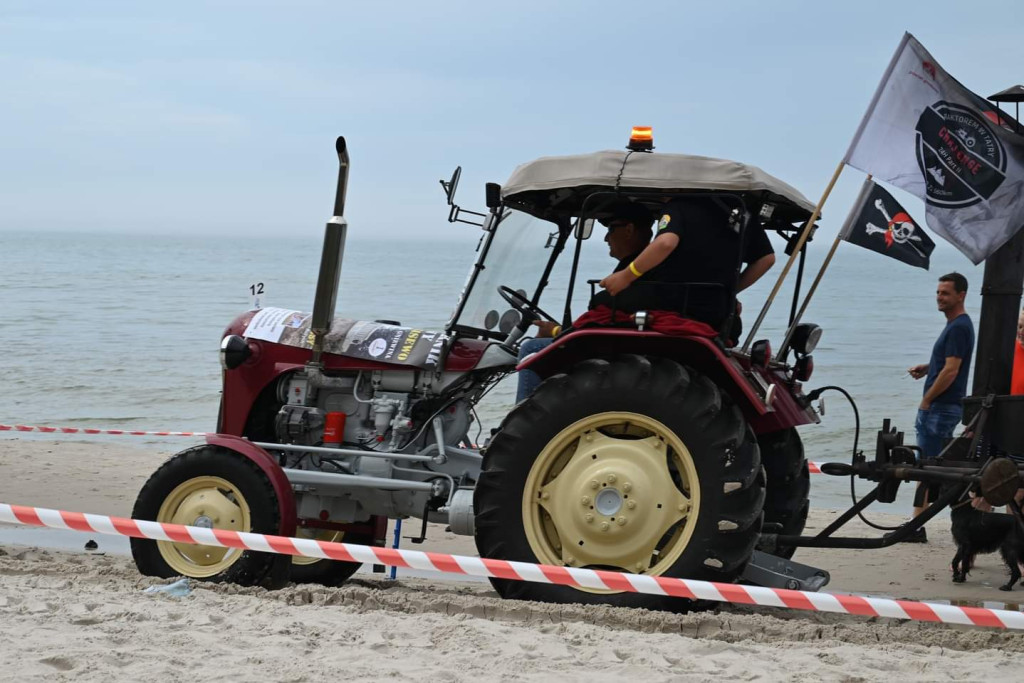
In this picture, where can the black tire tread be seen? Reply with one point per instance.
(330, 573)
(787, 501)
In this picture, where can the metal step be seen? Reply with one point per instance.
(776, 572)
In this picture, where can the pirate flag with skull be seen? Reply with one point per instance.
(878, 222)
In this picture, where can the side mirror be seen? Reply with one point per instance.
(454, 215)
(493, 194)
(452, 185)
(584, 229)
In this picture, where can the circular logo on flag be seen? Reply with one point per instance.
(960, 157)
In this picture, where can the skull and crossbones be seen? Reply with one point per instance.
(899, 229)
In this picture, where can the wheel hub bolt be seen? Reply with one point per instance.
(612, 478)
(545, 495)
(589, 517)
(627, 487)
(631, 504)
(594, 484)
(605, 526)
(569, 559)
(639, 566)
(203, 522)
(683, 507)
(585, 500)
(620, 521)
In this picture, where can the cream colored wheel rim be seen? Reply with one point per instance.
(615, 490)
(208, 502)
(329, 535)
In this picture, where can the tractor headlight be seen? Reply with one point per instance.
(805, 338)
(233, 352)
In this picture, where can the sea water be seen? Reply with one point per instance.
(123, 331)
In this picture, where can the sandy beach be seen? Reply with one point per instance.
(84, 616)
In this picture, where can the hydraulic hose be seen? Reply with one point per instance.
(853, 458)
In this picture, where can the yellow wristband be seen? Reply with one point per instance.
(632, 269)
(556, 330)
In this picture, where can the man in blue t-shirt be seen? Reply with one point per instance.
(946, 377)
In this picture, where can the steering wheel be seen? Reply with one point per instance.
(527, 309)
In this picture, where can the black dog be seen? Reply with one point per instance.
(977, 532)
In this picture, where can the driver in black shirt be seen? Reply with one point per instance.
(695, 242)
(629, 232)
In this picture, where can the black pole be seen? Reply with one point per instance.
(997, 328)
(796, 287)
(1000, 296)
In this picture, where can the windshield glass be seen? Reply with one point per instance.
(517, 254)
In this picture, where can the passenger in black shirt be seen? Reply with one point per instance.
(695, 243)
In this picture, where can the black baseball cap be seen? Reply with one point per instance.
(632, 212)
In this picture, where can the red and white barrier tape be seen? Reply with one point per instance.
(88, 430)
(517, 571)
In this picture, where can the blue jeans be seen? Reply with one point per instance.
(528, 379)
(935, 425)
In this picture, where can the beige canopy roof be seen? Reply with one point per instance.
(649, 171)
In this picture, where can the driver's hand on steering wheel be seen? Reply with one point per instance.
(546, 328)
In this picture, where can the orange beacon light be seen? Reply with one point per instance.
(641, 139)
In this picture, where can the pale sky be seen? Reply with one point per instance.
(220, 117)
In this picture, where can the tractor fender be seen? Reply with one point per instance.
(701, 353)
(586, 343)
(269, 466)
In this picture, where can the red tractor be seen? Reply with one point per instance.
(641, 451)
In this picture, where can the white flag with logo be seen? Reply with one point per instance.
(931, 136)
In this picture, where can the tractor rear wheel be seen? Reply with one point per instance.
(212, 488)
(632, 464)
(789, 483)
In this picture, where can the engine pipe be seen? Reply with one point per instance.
(343, 481)
(387, 455)
(339, 452)
(330, 259)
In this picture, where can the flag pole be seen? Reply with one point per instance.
(792, 257)
(810, 292)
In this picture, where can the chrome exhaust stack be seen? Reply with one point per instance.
(330, 260)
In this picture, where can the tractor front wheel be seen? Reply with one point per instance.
(636, 464)
(215, 489)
